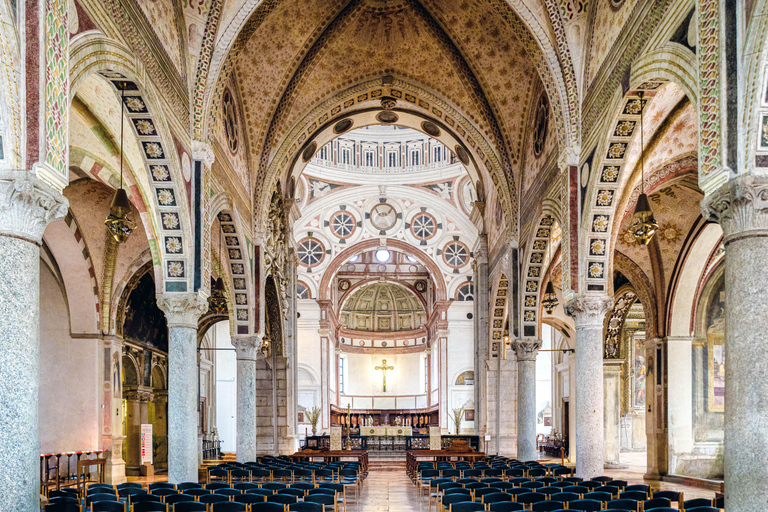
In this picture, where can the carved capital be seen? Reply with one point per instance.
(569, 156)
(589, 310)
(247, 347)
(202, 151)
(526, 349)
(740, 205)
(182, 309)
(27, 206)
(480, 250)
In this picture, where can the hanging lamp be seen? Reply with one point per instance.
(218, 299)
(119, 221)
(643, 226)
(550, 301)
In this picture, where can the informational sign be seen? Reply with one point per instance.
(146, 443)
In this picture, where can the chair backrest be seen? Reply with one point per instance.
(305, 506)
(304, 486)
(293, 491)
(189, 506)
(197, 491)
(475, 485)
(566, 497)
(625, 504)
(505, 506)
(260, 492)
(532, 485)
(610, 489)
(599, 496)
(496, 497)
(547, 506)
(697, 502)
(164, 491)
(325, 499)
(274, 486)
(671, 495)
(161, 485)
(602, 479)
(638, 487)
(702, 509)
(98, 488)
(229, 506)
(243, 486)
(65, 499)
(183, 486)
(178, 498)
(267, 507)
(282, 498)
(149, 506)
(467, 506)
(485, 490)
(130, 491)
(530, 497)
(62, 507)
(217, 485)
(109, 506)
(548, 490)
(656, 503)
(249, 498)
(228, 492)
(586, 505)
(578, 489)
(143, 498)
(97, 497)
(633, 495)
(126, 485)
(213, 498)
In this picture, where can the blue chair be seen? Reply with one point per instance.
(497, 497)
(217, 485)
(702, 509)
(467, 506)
(249, 499)
(179, 498)
(103, 496)
(62, 507)
(698, 502)
(656, 503)
(305, 506)
(633, 495)
(161, 485)
(228, 506)
(228, 492)
(143, 498)
(547, 506)
(183, 486)
(531, 497)
(671, 496)
(282, 498)
(149, 506)
(189, 506)
(586, 505)
(625, 504)
(213, 498)
(599, 496)
(109, 506)
(328, 501)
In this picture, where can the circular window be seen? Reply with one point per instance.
(343, 224)
(311, 252)
(423, 226)
(455, 254)
(382, 255)
(230, 120)
(466, 292)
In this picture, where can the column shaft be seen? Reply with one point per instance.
(526, 351)
(27, 206)
(589, 313)
(247, 350)
(182, 311)
(741, 208)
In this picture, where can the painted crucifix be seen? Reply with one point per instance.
(384, 369)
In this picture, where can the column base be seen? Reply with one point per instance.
(114, 472)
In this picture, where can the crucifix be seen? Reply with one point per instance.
(384, 369)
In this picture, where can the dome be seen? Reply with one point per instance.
(383, 307)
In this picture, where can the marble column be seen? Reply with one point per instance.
(526, 351)
(27, 206)
(588, 312)
(246, 350)
(612, 408)
(182, 311)
(741, 208)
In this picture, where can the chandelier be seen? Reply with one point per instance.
(643, 224)
(119, 221)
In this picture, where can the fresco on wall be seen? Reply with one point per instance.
(639, 372)
(144, 322)
(716, 348)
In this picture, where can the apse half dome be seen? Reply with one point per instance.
(383, 307)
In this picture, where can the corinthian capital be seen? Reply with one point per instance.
(247, 347)
(202, 151)
(526, 349)
(739, 205)
(589, 310)
(27, 206)
(182, 309)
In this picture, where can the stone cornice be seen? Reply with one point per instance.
(27, 206)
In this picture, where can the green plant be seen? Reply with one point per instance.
(313, 416)
(457, 415)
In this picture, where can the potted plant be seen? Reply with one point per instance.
(313, 416)
(457, 415)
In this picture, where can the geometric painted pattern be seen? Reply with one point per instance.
(56, 80)
(622, 133)
(173, 249)
(534, 273)
(238, 266)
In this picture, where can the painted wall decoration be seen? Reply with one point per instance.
(639, 371)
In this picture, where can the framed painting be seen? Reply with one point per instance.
(469, 415)
(716, 372)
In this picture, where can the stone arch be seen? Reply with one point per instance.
(237, 270)
(66, 243)
(498, 315)
(131, 371)
(608, 180)
(414, 105)
(168, 223)
(624, 298)
(643, 287)
(139, 317)
(535, 267)
(159, 377)
(114, 303)
(343, 256)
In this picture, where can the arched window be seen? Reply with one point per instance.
(466, 292)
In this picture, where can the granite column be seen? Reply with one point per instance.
(526, 351)
(27, 206)
(481, 336)
(182, 311)
(741, 208)
(588, 312)
(246, 350)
